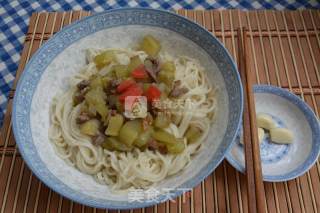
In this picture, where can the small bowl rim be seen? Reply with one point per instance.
(315, 127)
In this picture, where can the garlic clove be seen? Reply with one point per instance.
(260, 134)
(265, 121)
(281, 135)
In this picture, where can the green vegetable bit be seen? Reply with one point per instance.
(162, 121)
(130, 131)
(168, 66)
(143, 138)
(164, 137)
(121, 71)
(114, 125)
(176, 148)
(134, 63)
(193, 134)
(90, 127)
(95, 98)
(167, 73)
(104, 58)
(96, 82)
(150, 45)
(113, 144)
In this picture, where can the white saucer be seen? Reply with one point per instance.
(282, 162)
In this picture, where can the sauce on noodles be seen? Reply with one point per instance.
(124, 142)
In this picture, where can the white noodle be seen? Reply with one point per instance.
(138, 169)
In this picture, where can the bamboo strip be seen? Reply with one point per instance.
(232, 38)
(313, 101)
(18, 187)
(272, 51)
(28, 193)
(278, 82)
(292, 56)
(253, 49)
(315, 28)
(302, 95)
(13, 183)
(290, 87)
(262, 48)
(309, 45)
(226, 186)
(6, 124)
(282, 52)
(5, 144)
(304, 65)
(48, 201)
(8, 182)
(318, 42)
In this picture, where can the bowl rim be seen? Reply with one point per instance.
(92, 201)
(315, 131)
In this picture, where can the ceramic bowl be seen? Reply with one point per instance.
(63, 55)
(282, 162)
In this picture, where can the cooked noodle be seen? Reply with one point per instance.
(138, 169)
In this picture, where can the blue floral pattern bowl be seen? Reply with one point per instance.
(63, 55)
(282, 162)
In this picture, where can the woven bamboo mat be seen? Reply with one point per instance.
(284, 49)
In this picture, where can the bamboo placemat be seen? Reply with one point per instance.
(284, 49)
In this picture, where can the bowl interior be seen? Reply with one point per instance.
(55, 80)
(63, 56)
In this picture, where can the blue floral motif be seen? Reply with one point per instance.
(92, 24)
